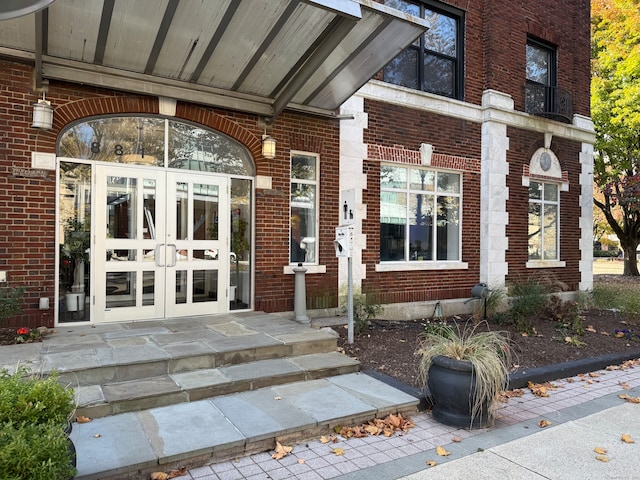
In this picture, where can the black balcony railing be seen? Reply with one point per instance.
(549, 102)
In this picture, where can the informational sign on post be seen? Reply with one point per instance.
(344, 247)
(348, 207)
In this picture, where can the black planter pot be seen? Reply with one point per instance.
(451, 384)
(70, 445)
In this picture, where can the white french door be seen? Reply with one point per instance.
(161, 246)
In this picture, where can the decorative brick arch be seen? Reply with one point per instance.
(90, 107)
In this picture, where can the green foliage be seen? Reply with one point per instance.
(527, 300)
(565, 314)
(488, 351)
(364, 309)
(34, 412)
(496, 303)
(618, 296)
(34, 452)
(11, 299)
(615, 110)
(27, 398)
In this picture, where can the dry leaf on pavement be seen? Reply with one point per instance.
(602, 458)
(431, 463)
(338, 451)
(83, 419)
(281, 451)
(600, 450)
(544, 423)
(442, 452)
(626, 438)
(629, 399)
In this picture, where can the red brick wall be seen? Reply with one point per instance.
(563, 23)
(391, 125)
(496, 37)
(27, 206)
(522, 146)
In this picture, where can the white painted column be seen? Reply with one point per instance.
(586, 207)
(353, 151)
(494, 191)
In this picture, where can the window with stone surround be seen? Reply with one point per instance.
(304, 208)
(544, 231)
(419, 214)
(434, 62)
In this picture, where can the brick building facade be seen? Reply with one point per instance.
(481, 136)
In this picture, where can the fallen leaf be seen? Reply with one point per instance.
(442, 452)
(281, 451)
(301, 461)
(629, 399)
(625, 386)
(456, 439)
(540, 389)
(431, 463)
(83, 419)
(594, 375)
(544, 423)
(97, 435)
(626, 438)
(619, 335)
(600, 450)
(591, 329)
(602, 458)
(338, 451)
(277, 398)
(159, 476)
(178, 473)
(324, 439)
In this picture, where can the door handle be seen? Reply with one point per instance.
(174, 255)
(156, 255)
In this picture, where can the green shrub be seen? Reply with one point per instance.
(618, 296)
(364, 309)
(527, 300)
(11, 299)
(34, 412)
(34, 452)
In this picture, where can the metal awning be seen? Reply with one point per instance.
(257, 56)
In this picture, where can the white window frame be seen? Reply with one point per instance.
(545, 262)
(408, 263)
(314, 246)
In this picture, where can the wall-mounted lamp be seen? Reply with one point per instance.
(268, 146)
(42, 114)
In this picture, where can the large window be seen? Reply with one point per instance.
(544, 206)
(304, 188)
(541, 77)
(419, 215)
(433, 63)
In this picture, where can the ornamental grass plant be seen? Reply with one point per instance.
(487, 351)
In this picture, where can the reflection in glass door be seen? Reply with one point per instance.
(160, 241)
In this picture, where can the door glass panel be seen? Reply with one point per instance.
(240, 264)
(148, 288)
(149, 209)
(121, 289)
(182, 206)
(74, 242)
(205, 286)
(123, 255)
(205, 212)
(181, 286)
(121, 207)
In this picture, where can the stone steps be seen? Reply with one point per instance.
(134, 444)
(101, 400)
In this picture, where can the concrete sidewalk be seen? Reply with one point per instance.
(585, 412)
